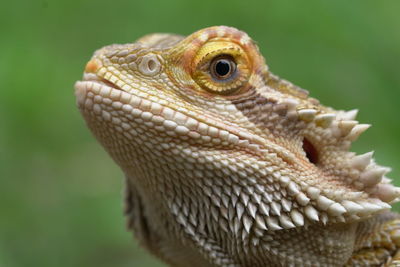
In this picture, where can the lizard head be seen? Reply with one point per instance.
(201, 122)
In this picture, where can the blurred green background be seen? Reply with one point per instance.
(60, 194)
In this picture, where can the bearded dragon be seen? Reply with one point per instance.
(226, 164)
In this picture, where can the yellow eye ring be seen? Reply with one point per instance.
(221, 67)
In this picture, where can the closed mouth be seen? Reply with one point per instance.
(90, 77)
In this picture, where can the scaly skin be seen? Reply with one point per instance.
(228, 165)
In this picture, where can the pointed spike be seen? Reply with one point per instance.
(351, 207)
(373, 176)
(341, 219)
(260, 223)
(324, 203)
(382, 204)
(273, 224)
(256, 198)
(267, 197)
(302, 199)
(369, 207)
(361, 161)
(264, 208)
(336, 209)
(245, 198)
(286, 222)
(252, 209)
(386, 180)
(311, 213)
(247, 222)
(237, 189)
(325, 120)
(234, 199)
(231, 212)
(293, 189)
(346, 126)
(286, 204)
(349, 115)
(357, 131)
(307, 114)
(324, 218)
(275, 208)
(313, 192)
(215, 214)
(239, 210)
(387, 192)
(297, 217)
(389, 169)
(236, 226)
(255, 241)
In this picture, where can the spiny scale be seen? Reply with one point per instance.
(242, 171)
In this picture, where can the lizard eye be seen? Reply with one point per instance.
(223, 68)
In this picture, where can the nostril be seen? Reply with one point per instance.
(311, 151)
(152, 65)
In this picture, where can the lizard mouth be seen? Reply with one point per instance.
(109, 84)
(92, 85)
(90, 77)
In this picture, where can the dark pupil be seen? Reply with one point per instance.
(222, 67)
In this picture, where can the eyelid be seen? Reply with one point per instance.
(215, 48)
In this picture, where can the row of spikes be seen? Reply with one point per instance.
(316, 206)
(372, 176)
(250, 216)
(269, 214)
(343, 125)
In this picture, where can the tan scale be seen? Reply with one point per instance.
(226, 164)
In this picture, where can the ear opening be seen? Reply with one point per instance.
(311, 151)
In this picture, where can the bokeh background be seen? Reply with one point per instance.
(60, 194)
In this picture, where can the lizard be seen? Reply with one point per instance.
(227, 164)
